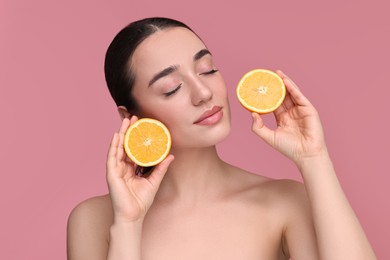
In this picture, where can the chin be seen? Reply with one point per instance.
(222, 134)
(214, 136)
(207, 138)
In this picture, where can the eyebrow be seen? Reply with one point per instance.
(163, 73)
(201, 53)
(173, 68)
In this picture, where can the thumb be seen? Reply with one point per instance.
(261, 130)
(159, 171)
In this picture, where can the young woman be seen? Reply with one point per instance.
(193, 205)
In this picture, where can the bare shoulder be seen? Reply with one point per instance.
(290, 196)
(286, 189)
(280, 204)
(279, 192)
(96, 209)
(88, 228)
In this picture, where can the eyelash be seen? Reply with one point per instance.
(173, 91)
(209, 72)
(170, 93)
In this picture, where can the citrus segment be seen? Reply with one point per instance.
(147, 142)
(261, 91)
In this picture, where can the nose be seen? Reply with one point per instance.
(200, 92)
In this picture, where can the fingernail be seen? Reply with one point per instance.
(254, 118)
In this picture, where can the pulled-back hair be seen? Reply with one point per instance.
(119, 75)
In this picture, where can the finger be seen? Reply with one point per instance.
(278, 113)
(133, 119)
(122, 131)
(284, 77)
(296, 95)
(159, 171)
(111, 157)
(288, 102)
(280, 110)
(261, 130)
(125, 124)
(120, 156)
(112, 150)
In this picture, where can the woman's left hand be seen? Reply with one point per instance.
(299, 132)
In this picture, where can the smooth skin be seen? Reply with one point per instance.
(196, 206)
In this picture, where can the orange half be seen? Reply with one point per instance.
(261, 91)
(147, 142)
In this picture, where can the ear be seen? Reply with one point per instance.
(123, 113)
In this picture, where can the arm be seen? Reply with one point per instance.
(299, 136)
(339, 233)
(131, 198)
(87, 230)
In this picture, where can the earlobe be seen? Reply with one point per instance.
(123, 113)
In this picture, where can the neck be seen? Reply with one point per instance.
(193, 175)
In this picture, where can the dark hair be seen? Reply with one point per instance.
(119, 76)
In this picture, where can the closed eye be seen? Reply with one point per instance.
(209, 72)
(167, 94)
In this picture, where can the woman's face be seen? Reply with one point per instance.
(177, 83)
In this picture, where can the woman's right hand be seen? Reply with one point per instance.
(131, 195)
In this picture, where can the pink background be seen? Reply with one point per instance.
(57, 116)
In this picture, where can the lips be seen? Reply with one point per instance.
(208, 113)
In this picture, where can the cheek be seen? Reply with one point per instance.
(146, 101)
(170, 113)
(221, 89)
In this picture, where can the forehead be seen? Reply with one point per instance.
(172, 46)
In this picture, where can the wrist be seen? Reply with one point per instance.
(128, 223)
(126, 227)
(320, 159)
(125, 240)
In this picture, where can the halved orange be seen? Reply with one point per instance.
(261, 91)
(147, 142)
